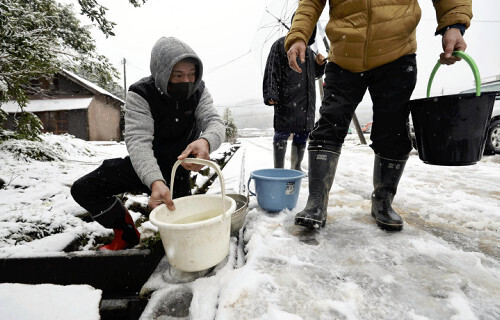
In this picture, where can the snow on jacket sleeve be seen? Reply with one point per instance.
(210, 122)
(139, 130)
(272, 74)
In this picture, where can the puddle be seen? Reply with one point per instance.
(304, 235)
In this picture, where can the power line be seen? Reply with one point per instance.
(275, 29)
(130, 63)
(231, 61)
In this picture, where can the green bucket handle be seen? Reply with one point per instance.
(472, 65)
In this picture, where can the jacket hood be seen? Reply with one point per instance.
(166, 52)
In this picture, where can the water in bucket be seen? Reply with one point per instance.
(201, 216)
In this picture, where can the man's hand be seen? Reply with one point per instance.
(198, 148)
(452, 41)
(298, 49)
(320, 59)
(270, 101)
(160, 193)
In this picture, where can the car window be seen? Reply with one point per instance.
(488, 87)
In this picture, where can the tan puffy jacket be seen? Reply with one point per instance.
(365, 34)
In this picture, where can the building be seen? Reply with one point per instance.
(250, 132)
(73, 105)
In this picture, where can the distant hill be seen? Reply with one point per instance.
(255, 114)
(250, 114)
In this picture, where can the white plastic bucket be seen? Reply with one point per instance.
(195, 246)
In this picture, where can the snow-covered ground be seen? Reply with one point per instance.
(445, 264)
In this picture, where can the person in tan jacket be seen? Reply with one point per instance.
(373, 45)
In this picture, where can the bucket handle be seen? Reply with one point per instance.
(472, 65)
(202, 162)
(248, 186)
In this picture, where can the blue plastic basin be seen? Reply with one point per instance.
(276, 189)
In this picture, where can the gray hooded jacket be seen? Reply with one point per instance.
(139, 121)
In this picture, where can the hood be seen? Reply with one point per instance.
(165, 54)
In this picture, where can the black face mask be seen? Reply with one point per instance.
(181, 91)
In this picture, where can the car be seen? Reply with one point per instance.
(493, 132)
(367, 128)
(492, 145)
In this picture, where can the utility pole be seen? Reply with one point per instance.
(124, 61)
(354, 117)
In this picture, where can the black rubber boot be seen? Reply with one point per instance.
(322, 167)
(386, 175)
(279, 151)
(297, 155)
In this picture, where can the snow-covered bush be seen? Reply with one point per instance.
(49, 148)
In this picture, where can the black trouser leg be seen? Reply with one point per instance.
(390, 88)
(96, 191)
(343, 92)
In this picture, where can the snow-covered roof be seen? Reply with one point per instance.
(89, 85)
(41, 105)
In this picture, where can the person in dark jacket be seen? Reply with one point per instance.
(373, 45)
(168, 116)
(293, 96)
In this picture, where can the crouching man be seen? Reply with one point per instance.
(168, 116)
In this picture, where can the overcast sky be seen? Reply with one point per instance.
(227, 35)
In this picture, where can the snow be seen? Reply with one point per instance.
(48, 301)
(444, 264)
(42, 105)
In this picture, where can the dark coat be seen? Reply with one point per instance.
(295, 92)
